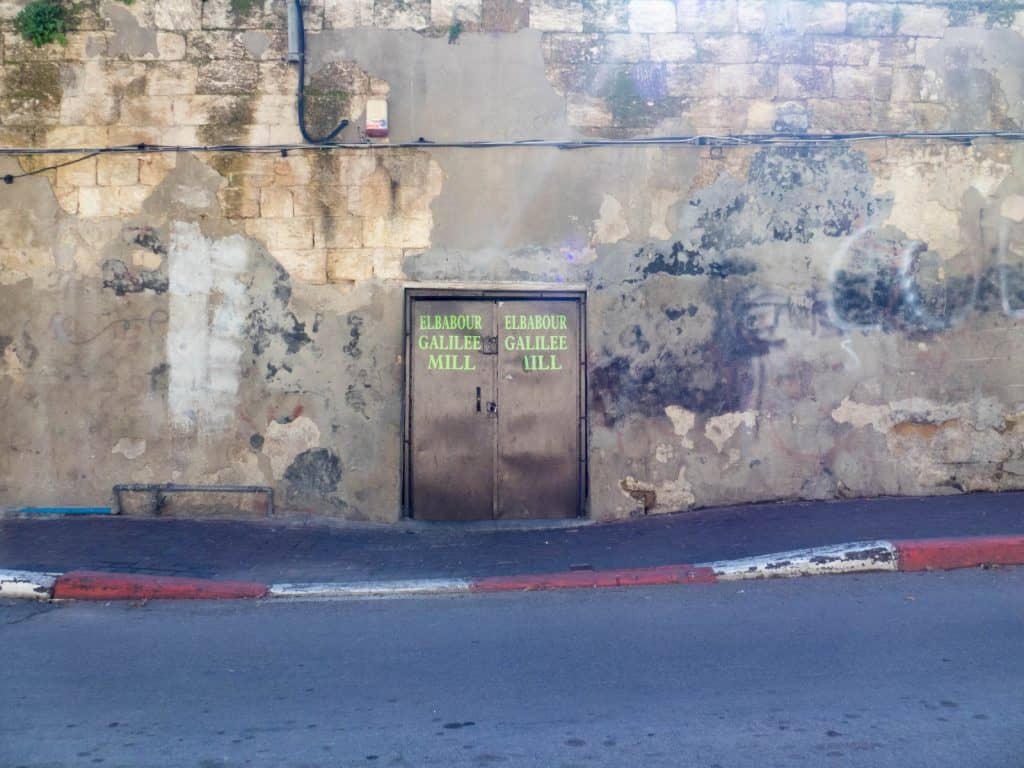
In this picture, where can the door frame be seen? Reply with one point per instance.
(490, 292)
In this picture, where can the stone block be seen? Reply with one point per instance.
(275, 110)
(17, 49)
(397, 232)
(718, 116)
(834, 116)
(729, 49)
(67, 199)
(556, 15)
(75, 136)
(606, 16)
(916, 84)
(170, 46)
(118, 135)
(752, 81)
(240, 202)
(844, 51)
(401, 14)
(228, 14)
(178, 15)
(321, 200)
(154, 111)
(627, 48)
(307, 266)
(807, 18)
(90, 109)
(130, 199)
(652, 16)
(709, 17)
(172, 79)
(289, 234)
(228, 76)
(349, 265)
(276, 202)
(285, 134)
(588, 111)
(153, 167)
(387, 264)
(802, 82)
(292, 171)
(338, 232)
(873, 84)
(117, 170)
(278, 78)
(923, 20)
(692, 81)
(81, 174)
(195, 110)
(443, 13)
(674, 48)
(505, 15)
(871, 19)
(787, 48)
(85, 46)
(96, 202)
(751, 17)
(348, 14)
(915, 117)
(761, 116)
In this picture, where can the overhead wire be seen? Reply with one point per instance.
(695, 140)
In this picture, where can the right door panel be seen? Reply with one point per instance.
(538, 395)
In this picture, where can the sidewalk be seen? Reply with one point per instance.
(270, 552)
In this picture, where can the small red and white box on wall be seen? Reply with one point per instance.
(377, 118)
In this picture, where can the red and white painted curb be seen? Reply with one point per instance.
(855, 557)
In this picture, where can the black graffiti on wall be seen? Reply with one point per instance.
(894, 285)
(712, 377)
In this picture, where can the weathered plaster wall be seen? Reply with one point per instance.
(765, 322)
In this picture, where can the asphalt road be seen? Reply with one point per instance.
(881, 670)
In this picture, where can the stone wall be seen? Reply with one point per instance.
(765, 322)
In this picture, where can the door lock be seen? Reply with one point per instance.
(490, 345)
(492, 407)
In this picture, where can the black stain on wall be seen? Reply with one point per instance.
(270, 319)
(5, 342)
(147, 238)
(313, 474)
(681, 261)
(710, 378)
(896, 301)
(158, 377)
(355, 329)
(119, 277)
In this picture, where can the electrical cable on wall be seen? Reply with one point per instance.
(297, 53)
(786, 140)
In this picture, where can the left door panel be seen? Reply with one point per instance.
(452, 422)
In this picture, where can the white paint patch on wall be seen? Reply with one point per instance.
(208, 306)
(721, 428)
(682, 422)
(129, 447)
(283, 442)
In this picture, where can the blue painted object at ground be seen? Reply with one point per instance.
(66, 510)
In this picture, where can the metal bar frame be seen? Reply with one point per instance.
(186, 488)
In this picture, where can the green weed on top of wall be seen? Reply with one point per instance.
(42, 22)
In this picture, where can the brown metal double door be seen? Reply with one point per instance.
(495, 415)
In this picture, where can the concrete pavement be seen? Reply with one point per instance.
(298, 551)
(901, 670)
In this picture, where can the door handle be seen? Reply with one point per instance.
(478, 399)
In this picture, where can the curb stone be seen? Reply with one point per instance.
(854, 557)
